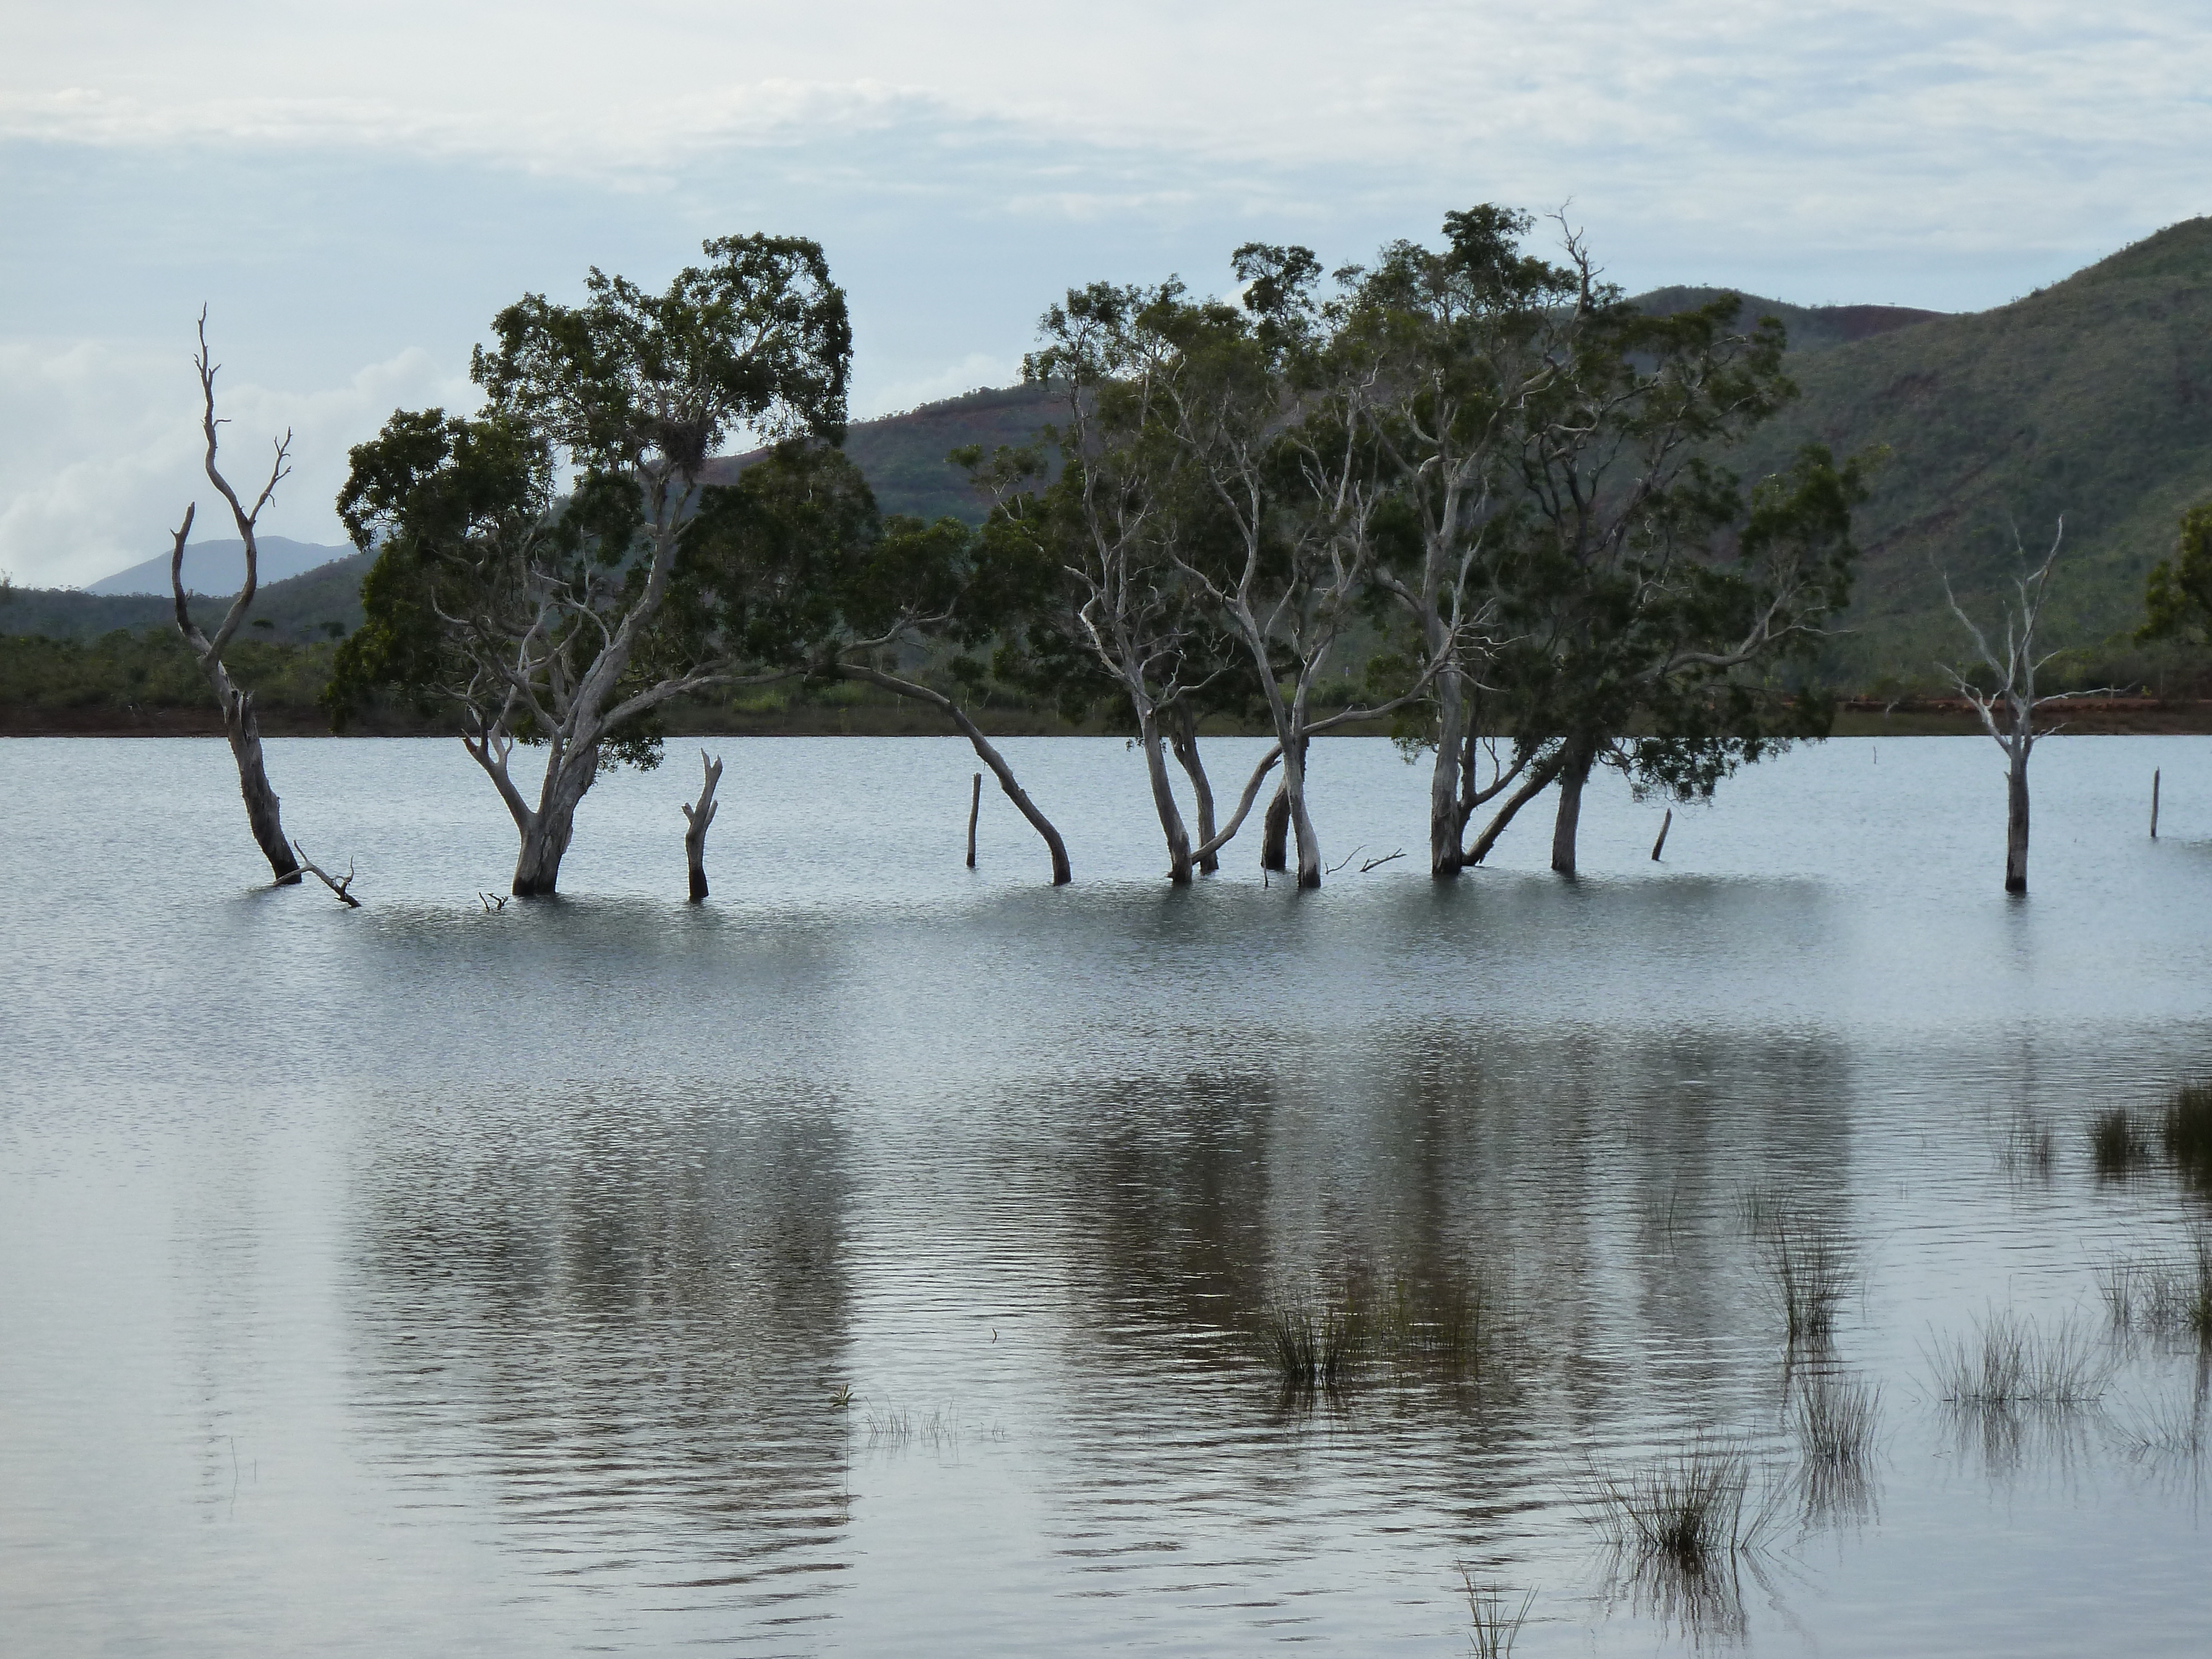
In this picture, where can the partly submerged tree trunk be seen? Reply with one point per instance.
(1538, 780)
(1183, 733)
(697, 818)
(1275, 831)
(1302, 828)
(2016, 820)
(984, 751)
(1164, 800)
(262, 814)
(545, 838)
(1447, 817)
(1574, 773)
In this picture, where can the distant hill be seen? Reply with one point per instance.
(220, 566)
(903, 455)
(298, 608)
(2091, 398)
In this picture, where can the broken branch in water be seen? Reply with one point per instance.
(492, 900)
(1347, 858)
(1376, 864)
(323, 876)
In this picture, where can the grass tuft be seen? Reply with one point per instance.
(1810, 1267)
(2118, 1142)
(2009, 1361)
(1496, 1620)
(2167, 1296)
(2186, 1129)
(1689, 1509)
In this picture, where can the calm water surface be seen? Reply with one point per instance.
(430, 1278)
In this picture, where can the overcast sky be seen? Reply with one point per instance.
(354, 190)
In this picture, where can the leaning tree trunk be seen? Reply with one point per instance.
(1183, 733)
(1573, 774)
(545, 836)
(2016, 820)
(985, 751)
(262, 813)
(696, 819)
(1538, 780)
(1164, 800)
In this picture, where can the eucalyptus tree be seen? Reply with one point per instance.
(2178, 594)
(240, 724)
(1470, 339)
(533, 612)
(2010, 706)
(1270, 406)
(1122, 618)
(1647, 600)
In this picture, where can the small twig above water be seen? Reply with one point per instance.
(1376, 864)
(1348, 857)
(492, 900)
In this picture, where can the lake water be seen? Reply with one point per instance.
(431, 1278)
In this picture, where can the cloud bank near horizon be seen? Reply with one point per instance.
(354, 195)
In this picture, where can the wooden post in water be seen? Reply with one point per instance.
(2153, 804)
(1665, 824)
(975, 810)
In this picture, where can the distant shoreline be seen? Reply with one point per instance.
(2129, 717)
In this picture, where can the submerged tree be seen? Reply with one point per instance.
(1646, 598)
(240, 724)
(2009, 707)
(1470, 337)
(537, 614)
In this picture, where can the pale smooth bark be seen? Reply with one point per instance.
(2009, 712)
(239, 726)
(1182, 735)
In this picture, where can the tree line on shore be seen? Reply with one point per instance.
(1505, 484)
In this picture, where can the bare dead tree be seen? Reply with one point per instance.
(698, 818)
(239, 723)
(2008, 712)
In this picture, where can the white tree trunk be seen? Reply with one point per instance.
(2017, 819)
(696, 819)
(1164, 801)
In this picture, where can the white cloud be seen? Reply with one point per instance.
(101, 450)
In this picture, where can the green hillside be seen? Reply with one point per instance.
(2091, 398)
(298, 610)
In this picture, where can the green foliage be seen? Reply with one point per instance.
(126, 671)
(2177, 595)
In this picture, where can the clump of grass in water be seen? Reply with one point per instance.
(1810, 1265)
(1835, 1419)
(2169, 1297)
(2186, 1129)
(1495, 1621)
(2117, 1142)
(1690, 1510)
(1313, 1350)
(1685, 1527)
(1455, 1327)
(2009, 1361)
